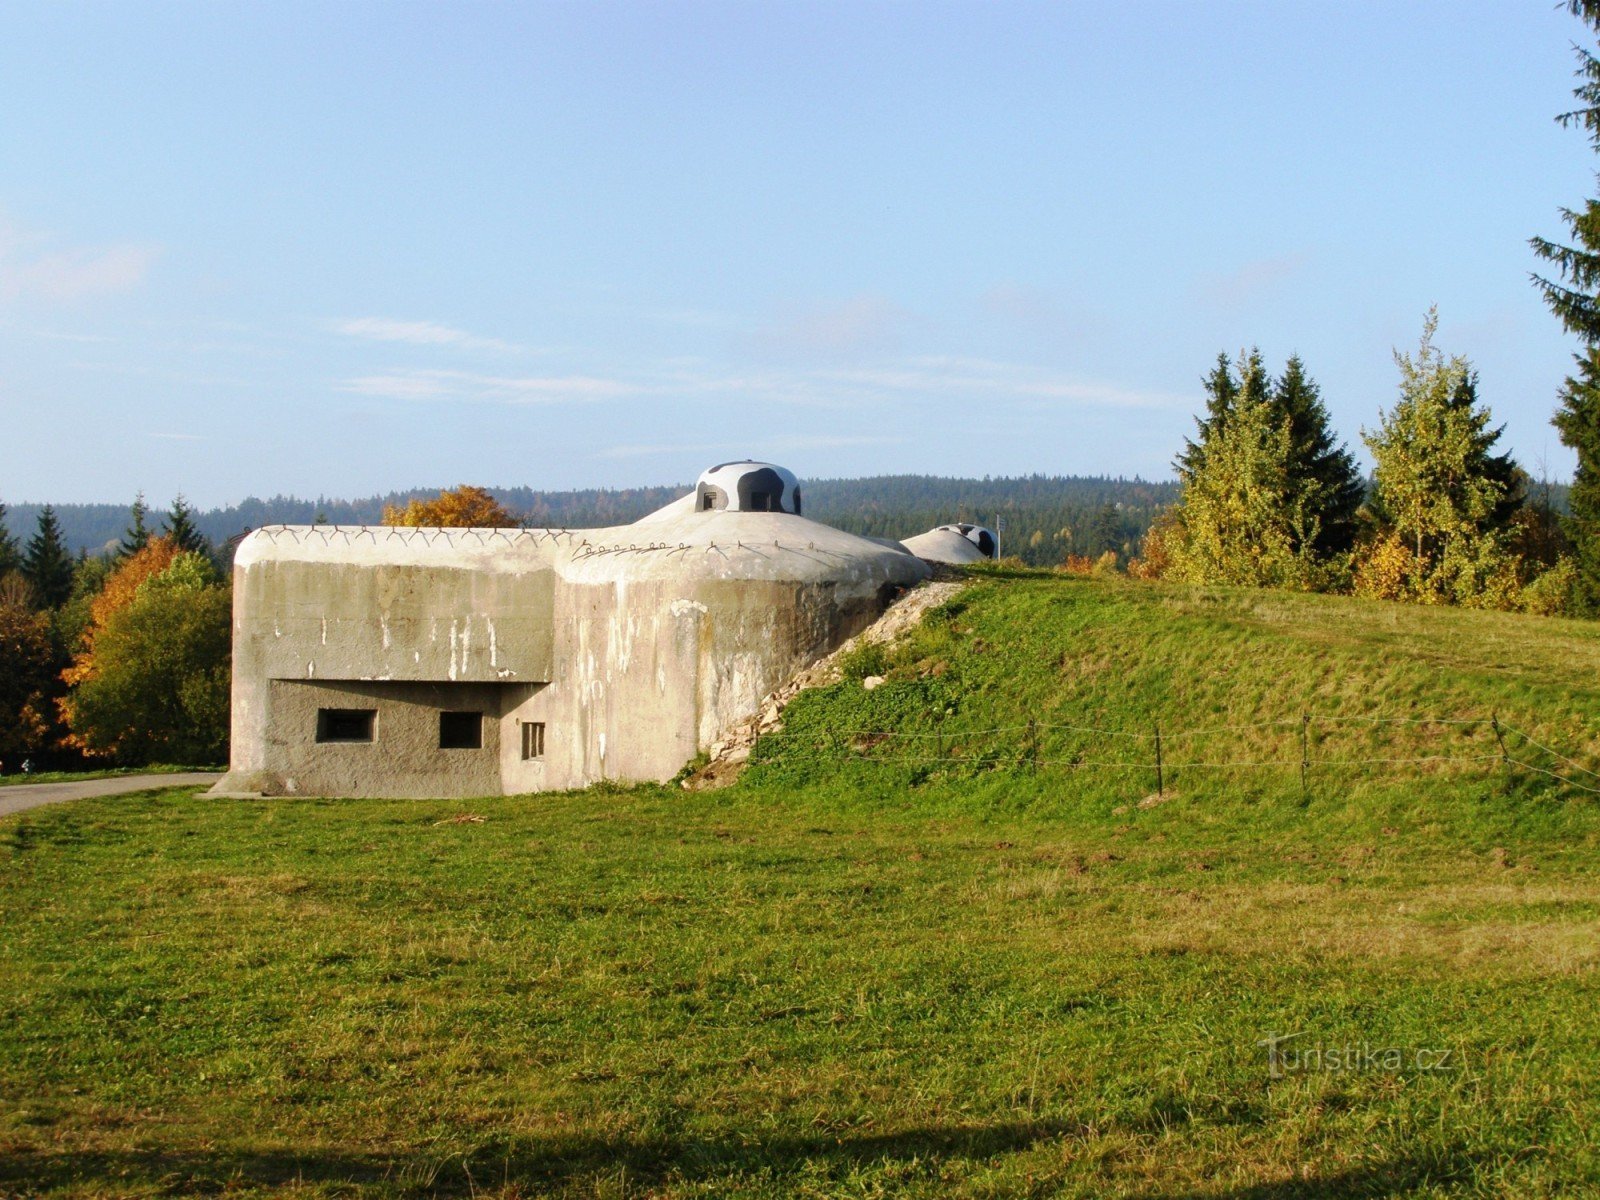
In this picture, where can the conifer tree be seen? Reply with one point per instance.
(10, 557)
(1317, 489)
(1237, 522)
(1323, 479)
(1436, 482)
(1225, 392)
(1501, 468)
(137, 535)
(180, 527)
(1574, 296)
(46, 562)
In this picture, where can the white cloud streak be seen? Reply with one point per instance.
(899, 386)
(32, 269)
(418, 333)
(778, 445)
(470, 387)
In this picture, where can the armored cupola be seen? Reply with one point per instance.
(980, 537)
(747, 486)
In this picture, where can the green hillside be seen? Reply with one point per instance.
(1373, 696)
(922, 948)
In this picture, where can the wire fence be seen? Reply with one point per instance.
(1475, 743)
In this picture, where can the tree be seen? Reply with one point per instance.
(153, 684)
(1322, 474)
(137, 534)
(1105, 530)
(10, 557)
(1225, 391)
(1574, 296)
(1235, 495)
(1238, 521)
(464, 507)
(1438, 490)
(180, 527)
(26, 677)
(46, 563)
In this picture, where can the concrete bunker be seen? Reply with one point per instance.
(379, 661)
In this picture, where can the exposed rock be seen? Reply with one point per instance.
(873, 681)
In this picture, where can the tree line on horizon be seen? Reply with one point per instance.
(1044, 517)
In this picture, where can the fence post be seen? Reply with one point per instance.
(1160, 782)
(1505, 755)
(939, 729)
(1305, 755)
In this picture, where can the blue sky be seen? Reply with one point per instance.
(348, 248)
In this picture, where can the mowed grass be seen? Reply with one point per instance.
(855, 975)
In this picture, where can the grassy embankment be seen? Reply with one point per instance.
(853, 977)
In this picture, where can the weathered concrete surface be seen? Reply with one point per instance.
(945, 545)
(22, 796)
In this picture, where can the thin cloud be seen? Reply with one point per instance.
(776, 445)
(1251, 281)
(466, 386)
(859, 327)
(417, 333)
(31, 269)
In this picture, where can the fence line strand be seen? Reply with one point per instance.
(1547, 750)
(1517, 762)
(1028, 755)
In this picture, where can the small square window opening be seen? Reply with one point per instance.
(461, 731)
(346, 724)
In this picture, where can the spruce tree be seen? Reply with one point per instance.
(137, 535)
(1437, 487)
(1322, 476)
(46, 563)
(1500, 468)
(1574, 296)
(1226, 391)
(180, 527)
(1321, 488)
(10, 556)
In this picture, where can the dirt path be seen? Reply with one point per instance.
(31, 795)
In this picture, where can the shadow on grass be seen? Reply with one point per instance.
(549, 1163)
(521, 1167)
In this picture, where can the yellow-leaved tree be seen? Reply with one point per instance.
(151, 683)
(465, 507)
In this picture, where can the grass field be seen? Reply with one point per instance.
(979, 971)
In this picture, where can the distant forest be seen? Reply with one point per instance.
(1043, 518)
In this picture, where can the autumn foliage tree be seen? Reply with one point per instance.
(461, 508)
(151, 683)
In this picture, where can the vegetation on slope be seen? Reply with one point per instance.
(845, 977)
